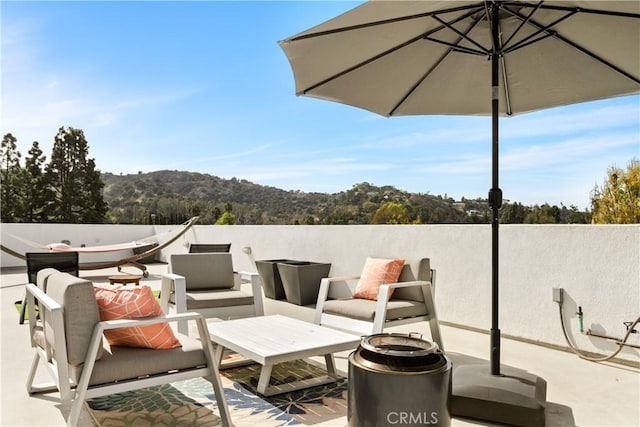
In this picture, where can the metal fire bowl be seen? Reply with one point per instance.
(400, 345)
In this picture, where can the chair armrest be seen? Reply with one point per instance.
(98, 331)
(256, 290)
(47, 304)
(323, 294)
(51, 313)
(341, 278)
(247, 274)
(45, 300)
(127, 323)
(177, 284)
(407, 284)
(384, 290)
(383, 298)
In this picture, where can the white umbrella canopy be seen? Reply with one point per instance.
(433, 57)
(493, 58)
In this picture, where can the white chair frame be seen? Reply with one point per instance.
(172, 282)
(380, 320)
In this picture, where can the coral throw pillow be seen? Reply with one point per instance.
(133, 302)
(377, 272)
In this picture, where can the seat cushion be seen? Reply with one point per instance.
(363, 309)
(204, 270)
(215, 299)
(123, 363)
(377, 272)
(133, 302)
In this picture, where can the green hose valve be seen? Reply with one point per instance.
(580, 324)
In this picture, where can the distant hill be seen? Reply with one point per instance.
(173, 196)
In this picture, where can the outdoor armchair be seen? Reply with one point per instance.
(69, 341)
(62, 261)
(206, 283)
(412, 301)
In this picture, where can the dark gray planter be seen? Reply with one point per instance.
(270, 277)
(301, 280)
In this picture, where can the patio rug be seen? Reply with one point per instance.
(192, 402)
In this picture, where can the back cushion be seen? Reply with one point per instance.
(419, 269)
(43, 277)
(377, 272)
(133, 302)
(205, 270)
(80, 312)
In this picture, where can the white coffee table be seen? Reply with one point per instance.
(269, 340)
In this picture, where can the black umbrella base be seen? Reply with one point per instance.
(515, 397)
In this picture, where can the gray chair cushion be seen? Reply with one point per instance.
(204, 270)
(124, 363)
(364, 309)
(215, 299)
(80, 312)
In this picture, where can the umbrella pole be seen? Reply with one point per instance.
(495, 198)
(515, 397)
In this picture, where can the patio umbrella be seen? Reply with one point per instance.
(493, 58)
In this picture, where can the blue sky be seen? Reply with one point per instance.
(204, 87)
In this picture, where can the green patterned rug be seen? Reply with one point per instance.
(192, 402)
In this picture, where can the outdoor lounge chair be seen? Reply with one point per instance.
(412, 301)
(69, 341)
(206, 283)
(62, 261)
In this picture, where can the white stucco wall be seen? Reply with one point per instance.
(597, 266)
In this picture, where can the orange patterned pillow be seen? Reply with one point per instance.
(133, 302)
(377, 272)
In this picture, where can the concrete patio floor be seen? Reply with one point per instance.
(579, 392)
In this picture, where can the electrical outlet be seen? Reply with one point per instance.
(557, 295)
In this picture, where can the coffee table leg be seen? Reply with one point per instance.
(331, 365)
(265, 377)
(219, 354)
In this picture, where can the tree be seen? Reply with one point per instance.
(228, 217)
(11, 182)
(618, 200)
(391, 213)
(34, 183)
(513, 213)
(76, 187)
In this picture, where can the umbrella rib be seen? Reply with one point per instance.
(505, 84)
(452, 47)
(545, 30)
(398, 47)
(461, 34)
(377, 23)
(457, 48)
(599, 59)
(522, 22)
(573, 44)
(455, 45)
(359, 65)
(591, 11)
(419, 82)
